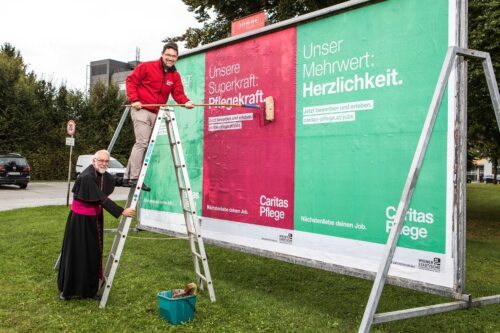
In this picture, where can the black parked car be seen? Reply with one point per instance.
(14, 169)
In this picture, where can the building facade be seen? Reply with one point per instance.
(109, 70)
(483, 172)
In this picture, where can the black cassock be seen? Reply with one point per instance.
(81, 257)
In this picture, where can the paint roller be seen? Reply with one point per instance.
(268, 106)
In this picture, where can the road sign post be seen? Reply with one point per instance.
(70, 128)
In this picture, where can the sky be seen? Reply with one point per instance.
(59, 38)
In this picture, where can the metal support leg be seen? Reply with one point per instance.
(118, 128)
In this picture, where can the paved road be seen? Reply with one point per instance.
(43, 194)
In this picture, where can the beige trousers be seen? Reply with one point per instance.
(143, 121)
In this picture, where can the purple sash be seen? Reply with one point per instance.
(83, 208)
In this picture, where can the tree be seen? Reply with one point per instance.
(99, 119)
(34, 114)
(217, 15)
(12, 75)
(484, 33)
(30, 122)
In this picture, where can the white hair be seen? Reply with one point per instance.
(100, 152)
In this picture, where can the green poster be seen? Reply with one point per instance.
(161, 175)
(365, 80)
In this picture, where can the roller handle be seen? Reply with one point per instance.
(252, 106)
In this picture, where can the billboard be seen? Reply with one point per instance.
(323, 181)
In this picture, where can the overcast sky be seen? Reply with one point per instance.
(59, 38)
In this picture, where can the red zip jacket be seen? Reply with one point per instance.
(150, 84)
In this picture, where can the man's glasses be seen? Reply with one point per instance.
(171, 56)
(102, 160)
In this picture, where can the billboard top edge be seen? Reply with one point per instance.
(348, 5)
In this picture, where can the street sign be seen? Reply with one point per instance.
(70, 142)
(71, 127)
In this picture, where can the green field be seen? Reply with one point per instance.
(254, 294)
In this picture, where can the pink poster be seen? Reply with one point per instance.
(248, 166)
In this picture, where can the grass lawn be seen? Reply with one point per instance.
(254, 294)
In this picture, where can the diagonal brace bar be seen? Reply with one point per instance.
(492, 86)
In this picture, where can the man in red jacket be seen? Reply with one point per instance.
(151, 82)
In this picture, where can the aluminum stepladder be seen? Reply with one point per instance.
(189, 210)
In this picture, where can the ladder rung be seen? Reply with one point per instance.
(187, 209)
(196, 236)
(201, 276)
(198, 255)
(180, 165)
(112, 255)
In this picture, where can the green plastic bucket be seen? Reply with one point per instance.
(176, 310)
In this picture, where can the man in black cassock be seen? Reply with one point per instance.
(81, 258)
